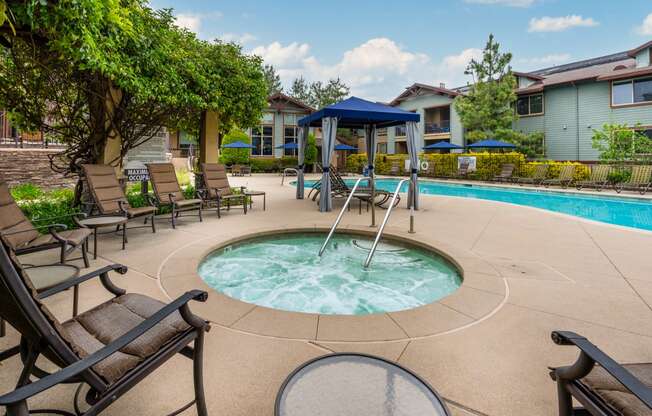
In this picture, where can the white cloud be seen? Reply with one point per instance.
(525, 64)
(378, 69)
(646, 28)
(189, 21)
(559, 24)
(511, 3)
(242, 39)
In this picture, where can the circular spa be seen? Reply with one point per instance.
(283, 271)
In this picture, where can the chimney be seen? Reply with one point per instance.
(442, 85)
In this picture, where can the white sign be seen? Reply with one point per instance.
(470, 160)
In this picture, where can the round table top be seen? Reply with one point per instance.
(45, 277)
(356, 384)
(103, 221)
(248, 192)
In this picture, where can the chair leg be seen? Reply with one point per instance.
(75, 300)
(198, 374)
(3, 328)
(201, 219)
(153, 225)
(174, 225)
(84, 250)
(124, 235)
(62, 257)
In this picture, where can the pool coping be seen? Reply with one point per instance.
(482, 293)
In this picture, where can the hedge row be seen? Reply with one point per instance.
(488, 165)
(272, 165)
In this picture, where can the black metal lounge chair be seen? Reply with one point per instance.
(339, 188)
(23, 237)
(599, 178)
(506, 173)
(167, 192)
(565, 178)
(602, 386)
(217, 189)
(109, 198)
(109, 348)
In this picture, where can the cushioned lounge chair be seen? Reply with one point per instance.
(506, 173)
(217, 189)
(109, 198)
(339, 188)
(641, 180)
(23, 237)
(599, 178)
(539, 175)
(167, 192)
(565, 178)
(110, 348)
(602, 386)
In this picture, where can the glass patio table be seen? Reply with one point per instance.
(351, 384)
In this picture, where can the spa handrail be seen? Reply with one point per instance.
(339, 217)
(382, 226)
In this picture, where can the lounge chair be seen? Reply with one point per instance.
(539, 175)
(110, 348)
(640, 181)
(506, 173)
(599, 178)
(217, 189)
(462, 171)
(565, 178)
(395, 169)
(167, 192)
(240, 170)
(110, 199)
(23, 237)
(602, 386)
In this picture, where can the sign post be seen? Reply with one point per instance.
(138, 175)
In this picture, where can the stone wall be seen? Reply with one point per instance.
(153, 150)
(19, 166)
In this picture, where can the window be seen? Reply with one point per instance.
(382, 131)
(261, 139)
(632, 91)
(530, 105)
(400, 131)
(381, 148)
(290, 136)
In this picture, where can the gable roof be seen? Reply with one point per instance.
(636, 51)
(278, 100)
(417, 89)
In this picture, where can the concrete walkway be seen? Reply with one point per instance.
(485, 348)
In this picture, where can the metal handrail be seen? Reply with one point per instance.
(339, 217)
(382, 226)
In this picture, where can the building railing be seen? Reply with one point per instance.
(31, 143)
(438, 128)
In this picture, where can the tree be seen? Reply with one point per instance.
(619, 143)
(272, 80)
(317, 94)
(89, 71)
(311, 150)
(235, 156)
(488, 105)
(301, 90)
(532, 145)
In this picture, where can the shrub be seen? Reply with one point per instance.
(265, 165)
(532, 145)
(619, 176)
(235, 156)
(311, 150)
(44, 208)
(26, 191)
(619, 143)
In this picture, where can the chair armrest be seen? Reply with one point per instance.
(171, 196)
(123, 204)
(180, 304)
(103, 273)
(590, 354)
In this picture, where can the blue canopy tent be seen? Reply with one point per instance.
(357, 113)
(491, 144)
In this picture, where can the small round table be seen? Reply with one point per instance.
(352, 384)
(251, 194)
(95, 223)
(48, 276)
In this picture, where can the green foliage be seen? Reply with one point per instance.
(272, 80)
(301, 90)
(266, 165)
(619, 143)
(311, 150)
(488, 105)
(619, 176)
(26, 192)
(235, 156)
(532, 145)
(319, 94)
(45, 207)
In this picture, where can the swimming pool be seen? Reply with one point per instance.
(628, 212)
(284, 272)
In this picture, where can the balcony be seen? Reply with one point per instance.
(443, 127)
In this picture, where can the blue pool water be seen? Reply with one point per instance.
(628, 212)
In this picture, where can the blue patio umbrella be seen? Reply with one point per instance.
(442, 146)
(344, 147)
(491, 144)
(238, 145)
(289, 146)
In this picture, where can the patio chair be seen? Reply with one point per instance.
(599, 178)
(167, 192)
(395, 169)
(506, 173)
(565, 178)
(217, 189)
(23, 237)
(240, 170)
(602, 386)
(462, 171)
(110, 199)
(109, 348)
(539, 175)
(641, 180)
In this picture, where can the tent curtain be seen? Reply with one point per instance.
(329, 132)
(412, 133)
(303, 142)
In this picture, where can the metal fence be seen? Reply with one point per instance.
(30, 143)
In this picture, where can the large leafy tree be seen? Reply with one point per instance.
(488, 105)
(272, 80)
(88, 71)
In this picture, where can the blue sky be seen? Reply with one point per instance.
(381, 47)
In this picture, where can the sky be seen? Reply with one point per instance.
(379, 47)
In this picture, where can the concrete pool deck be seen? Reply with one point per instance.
(485, 348)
